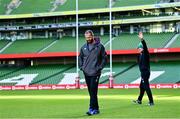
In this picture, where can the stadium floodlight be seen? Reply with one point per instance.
(77, 44)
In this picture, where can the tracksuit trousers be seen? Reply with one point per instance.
(92, 84)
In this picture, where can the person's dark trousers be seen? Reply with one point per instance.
(92, 84)
(144, 86)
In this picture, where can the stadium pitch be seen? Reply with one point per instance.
(114, 103)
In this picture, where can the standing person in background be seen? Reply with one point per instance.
(144, 67)
(92, 60)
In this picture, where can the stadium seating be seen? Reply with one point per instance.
(172, 72)
(169, 76)
(64, 44)
(176, 43)
(71, 5)
(45, 73)
(33, 6)
(130, 41)
(51, 74)
(39, 6)
(124, 73)
(3, 6)
(46, 5)
(94, 4)
(27, 46)
(128, 76)
(3, 43)
(7, 70)
(69, 44)
(118, 69)
(122, 3)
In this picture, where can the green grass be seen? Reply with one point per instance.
(114, 103)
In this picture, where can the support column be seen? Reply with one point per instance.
(102, 31)
(30, 35)
(46, 34)
(131, 29)
(178, 27)
(73, 33)
(50, 34)
(116, 32)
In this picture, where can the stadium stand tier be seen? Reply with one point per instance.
(54, 31)
(40, 6)
(166, 69)
(3, 43)
(68, 44)
(46, 74)
(33, 6)
(27, 46)
(124, 73)
(130, 41)
(122, 3)
(3, 5)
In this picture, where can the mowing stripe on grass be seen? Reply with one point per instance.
(72, 97)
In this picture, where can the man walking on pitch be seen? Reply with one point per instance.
(144, 67)
(92, 60)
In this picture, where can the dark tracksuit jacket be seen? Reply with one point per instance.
(91, 62)
(144, 67)
(143, 59)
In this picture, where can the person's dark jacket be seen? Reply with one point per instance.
(143, 59)
(91, 62)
